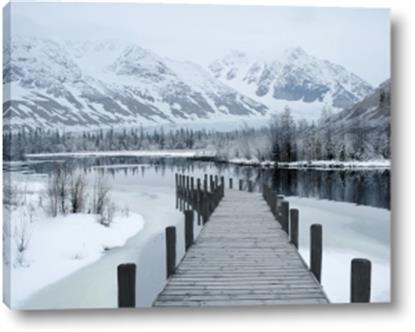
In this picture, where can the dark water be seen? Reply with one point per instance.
(363, 187)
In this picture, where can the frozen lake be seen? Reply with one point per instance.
(352, 206)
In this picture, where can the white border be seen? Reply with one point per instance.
(395, 317)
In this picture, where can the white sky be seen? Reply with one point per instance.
(358, 39)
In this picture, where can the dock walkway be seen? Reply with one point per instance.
(241, 257)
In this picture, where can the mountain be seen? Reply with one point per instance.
(371, 113)
(293, 78)
(79, 85)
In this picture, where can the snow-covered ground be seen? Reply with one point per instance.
(128, 153)
(55, 246)
(94, 285)
(317, 164)
(349, 231)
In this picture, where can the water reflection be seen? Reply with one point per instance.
(363, 187)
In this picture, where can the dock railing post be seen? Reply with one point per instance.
(250, 186)
(176, 177)
(316, 246)
(278, 199)
(126, 274)
(192, 192)
(294, 218)
(360, 287)
(230, 183)
(198, 202)
(188, 228)
(284, 212)
(187, 192)
(170, 250)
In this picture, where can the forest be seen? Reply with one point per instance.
(283, 140)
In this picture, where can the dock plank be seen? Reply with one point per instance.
(241, 257)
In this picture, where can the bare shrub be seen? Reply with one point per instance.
(77, 192)
(100, 195)
(10, 194)
(126, 211)
(22, 237)
(57, 190)
(106, 217)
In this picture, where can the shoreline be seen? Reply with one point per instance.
(203, 155)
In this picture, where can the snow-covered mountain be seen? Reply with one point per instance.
(71, 85)
(371, 113)
(293, 78)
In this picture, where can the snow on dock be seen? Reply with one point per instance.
(241, 257)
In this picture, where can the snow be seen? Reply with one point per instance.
(132, 153)
(95, 285)
(349, 231)
(57, 246)
(324, 164)
(317, 164)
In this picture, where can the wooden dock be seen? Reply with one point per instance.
(241, 257)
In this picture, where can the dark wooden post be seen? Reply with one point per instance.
(360, 280)
(198, 201)
(216, 181)
(273, 203)
(222, 187)
(176, 176)
(170, 250)
(211, 182)
(126, 285)
(241, 184)
(279, 199)
(182, 193)
(188, 228)
(294, 227)
(192, 192)
(250, 189)
(187, 192)
(316, 245)
(230, 183)
(284, 212)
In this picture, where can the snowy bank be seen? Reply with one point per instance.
(316, 164)
(40, 250)
(59, 246)
(137, 153)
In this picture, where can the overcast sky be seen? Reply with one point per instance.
(358, 39)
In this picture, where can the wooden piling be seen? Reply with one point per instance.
(198, 201)
(170, 250)
(230, 183)
(294, 218)
(176, 177)
(188, 228)
(192, 192)
(187, 190)
(360, 287)
(250, 186)
(284, 215)
(316, 246)
(241, 184)
(126, 274)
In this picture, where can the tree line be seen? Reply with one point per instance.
(283, 140)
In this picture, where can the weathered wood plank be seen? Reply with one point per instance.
(242, 257)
